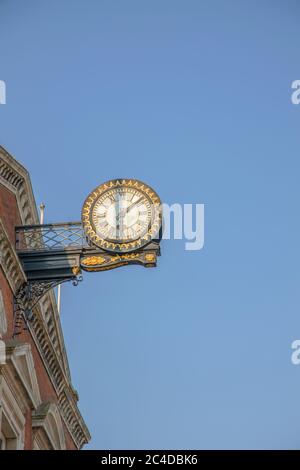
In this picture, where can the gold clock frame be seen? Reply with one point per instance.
(153, 232)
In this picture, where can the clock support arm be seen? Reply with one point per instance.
(55, 253)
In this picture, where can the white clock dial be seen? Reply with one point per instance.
(122, 214)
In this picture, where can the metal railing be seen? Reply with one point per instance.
(48, 237)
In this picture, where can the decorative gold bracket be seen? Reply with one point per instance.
(107, 261)
(56, 253)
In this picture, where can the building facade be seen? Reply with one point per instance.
(38, 405)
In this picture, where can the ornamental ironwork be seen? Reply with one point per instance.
(121, 225)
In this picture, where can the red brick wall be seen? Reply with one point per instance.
(9, 211)
(69, 441)
(10, 216)
(8, 303)
(28, 431)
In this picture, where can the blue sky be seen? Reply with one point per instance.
(194, 98)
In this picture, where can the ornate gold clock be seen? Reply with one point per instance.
(122, 215)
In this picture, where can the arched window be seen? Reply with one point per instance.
(48, 428)
(12, 420)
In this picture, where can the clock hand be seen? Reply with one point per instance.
(133, 205)
(125, 211)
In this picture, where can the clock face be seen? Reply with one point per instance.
(122, 215)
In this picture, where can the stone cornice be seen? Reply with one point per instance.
(16, 178)
(45, 328)
(67, 398)
(10, 262)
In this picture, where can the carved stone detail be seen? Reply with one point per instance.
(45, 327)
(9, 261)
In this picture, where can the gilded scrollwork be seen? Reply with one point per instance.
(112, 261)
